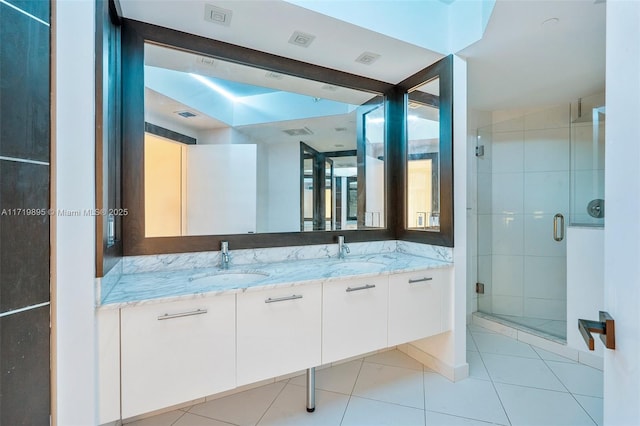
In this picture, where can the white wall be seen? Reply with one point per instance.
(221, 189)
(283, 187)
(447, 352)
(585, 281)
(215, 136)
(74, 367)
(622, 227)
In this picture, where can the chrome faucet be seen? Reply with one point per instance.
(342, 247)
(224, 255)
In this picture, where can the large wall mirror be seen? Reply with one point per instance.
(225, 143)
(428, 155)
(222, 142)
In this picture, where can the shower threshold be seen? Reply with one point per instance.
(553, 330)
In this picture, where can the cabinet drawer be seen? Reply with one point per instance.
(417, 305)
(278, 331)
(354, 317)
(176, 352)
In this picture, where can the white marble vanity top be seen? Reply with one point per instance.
(162, 286)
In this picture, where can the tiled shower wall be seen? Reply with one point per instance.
(24, 221)
(523, 181)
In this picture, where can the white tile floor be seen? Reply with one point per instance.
(510, 383)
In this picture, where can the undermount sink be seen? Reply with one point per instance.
(229, 277)
(355, 266)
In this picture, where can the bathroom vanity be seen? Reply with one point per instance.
(177, 336)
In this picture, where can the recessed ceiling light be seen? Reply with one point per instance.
(367, 58)
(301, 39)
(339, 145)
(217, 15)
(340, 129)
(551, 22)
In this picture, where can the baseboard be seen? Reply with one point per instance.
(453, 373)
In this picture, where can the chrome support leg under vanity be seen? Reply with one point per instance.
(311, 389)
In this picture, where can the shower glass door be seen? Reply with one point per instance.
(523, 207)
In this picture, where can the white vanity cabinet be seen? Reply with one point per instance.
(177, 351)
(108, 365)
(418, 304)
(278, 331)
(354, 317)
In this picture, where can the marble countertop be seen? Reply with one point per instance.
(164, 286)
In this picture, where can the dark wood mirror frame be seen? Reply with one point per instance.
(443, 70)
(135, 34)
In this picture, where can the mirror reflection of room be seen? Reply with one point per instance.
(223, 150)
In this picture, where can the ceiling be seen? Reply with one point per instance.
(519, 63)
(267, 25)
(522, 63)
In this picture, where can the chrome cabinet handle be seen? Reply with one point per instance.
(364, 287)
(282, 299)
(558, 217)
(420, 280)
(182, 314)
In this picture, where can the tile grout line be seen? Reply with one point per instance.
(272, 402)
(352, 389)
(491, 380)
(208, 418)
(568, 390)
(181, 415)
(552, 372)
(424, 393)
(466, 418)
(16, 8)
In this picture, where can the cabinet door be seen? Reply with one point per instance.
(354, 317)
(417, 304)
(278, 331)
(108, 365)
(176, 352)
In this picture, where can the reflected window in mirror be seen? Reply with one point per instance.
(423, 146)
(223, 150)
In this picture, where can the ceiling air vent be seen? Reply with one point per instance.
(301, 39)
(274, 75)
(205, 61)
(217, 15)
(186, 114)
(330, 87)
(367, 58)
(298, 132)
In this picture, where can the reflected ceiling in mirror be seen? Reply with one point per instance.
(222, 147)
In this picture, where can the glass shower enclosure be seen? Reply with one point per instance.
(537, 173)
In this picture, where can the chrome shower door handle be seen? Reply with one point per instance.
(558, 236)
